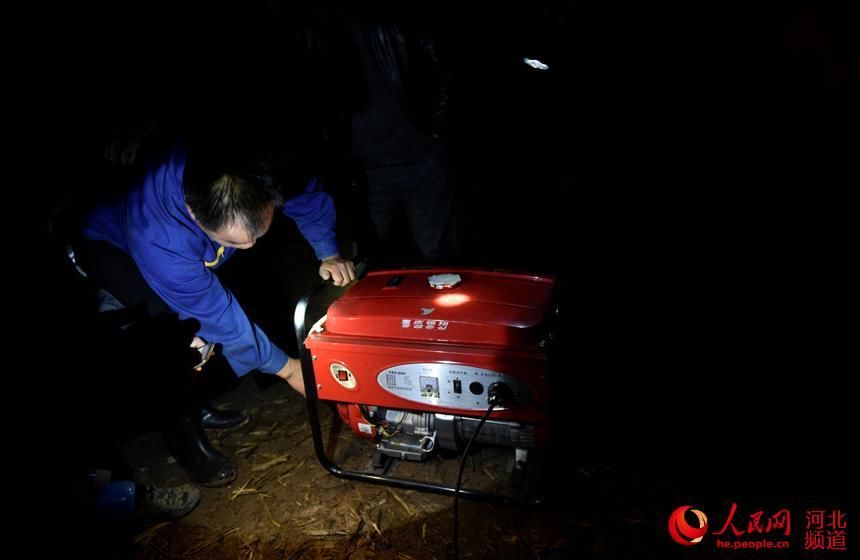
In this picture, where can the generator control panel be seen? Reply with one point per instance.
(447, 385)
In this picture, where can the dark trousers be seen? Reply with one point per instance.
(142, 377)
(112, 270)
(424, 190)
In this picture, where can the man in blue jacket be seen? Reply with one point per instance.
(159, 243)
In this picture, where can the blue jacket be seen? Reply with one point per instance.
(152, 224)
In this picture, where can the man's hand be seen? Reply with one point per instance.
(341, 271)
(292, 374)
(206, 351)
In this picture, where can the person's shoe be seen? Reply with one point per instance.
(213, 418)
(188, 444)
(154, 503)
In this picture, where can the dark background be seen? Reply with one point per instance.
(687, 174)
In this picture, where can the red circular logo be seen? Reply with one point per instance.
(682, 532)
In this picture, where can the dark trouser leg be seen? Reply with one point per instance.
(425, 191)
(381, 202)
(163, 392)
(428, 197)
(112, 269)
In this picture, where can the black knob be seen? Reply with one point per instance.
(476, 388)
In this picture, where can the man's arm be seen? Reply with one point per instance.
(314, 214)
(292, 374)
(193, 291)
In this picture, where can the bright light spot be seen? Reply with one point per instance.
(450, 300)
(536, 64)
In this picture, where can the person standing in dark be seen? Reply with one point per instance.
(398, 121)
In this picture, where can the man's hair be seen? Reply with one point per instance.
(224, 188)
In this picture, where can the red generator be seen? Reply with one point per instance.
(414, 358)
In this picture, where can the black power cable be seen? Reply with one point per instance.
(460, 479)
(497, 393)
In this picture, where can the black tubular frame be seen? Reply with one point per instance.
(312, 397)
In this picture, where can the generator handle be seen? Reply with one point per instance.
(300, 323)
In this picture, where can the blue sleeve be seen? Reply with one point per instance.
(194, 292)
(314, 214)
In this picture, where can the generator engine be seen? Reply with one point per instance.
(412, 356)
